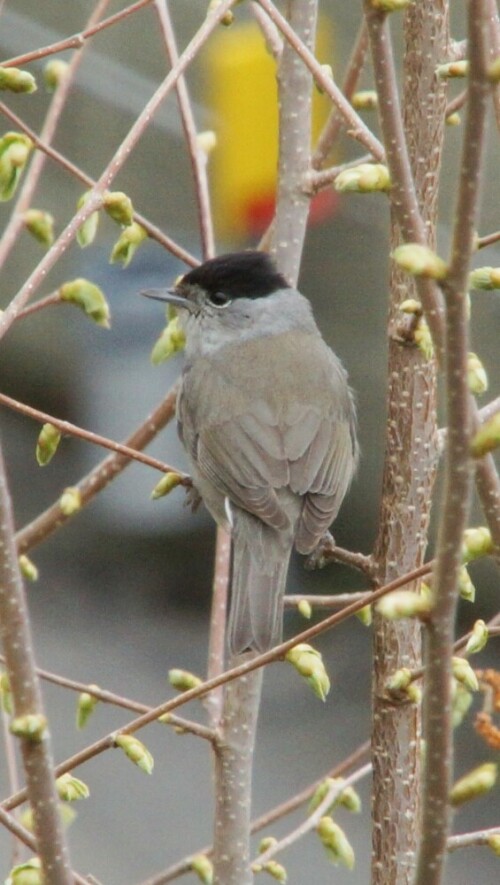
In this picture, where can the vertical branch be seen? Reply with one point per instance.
(413, 139)
(440, 634)
(36, 752)
(214, 700)
(295, 105)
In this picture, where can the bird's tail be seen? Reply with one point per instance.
(259, 569)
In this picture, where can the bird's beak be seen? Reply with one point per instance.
(171, 296)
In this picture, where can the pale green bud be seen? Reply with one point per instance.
(414, 693)
(170, 342)
(309, 663)
(266, 843)
(183, 680)
(226, 19)
(363, 179)
(207, 141)
(403, 604)
(6, 694)
(47, 443)
(119, 207)
(453, 69)
(423, 339)
(70, 501)
(32, 726)
(494, 71)
(474, 784)
(203, 867)
(87, 231)
(365, 615)
(494, 841)
(411, 306)
(70, 788)
(476, 542)
(168, 482)
(485, 278)
(40, 224)
(478, 638)
(54, 73)
(15, 148)
(135, 750)
(336, 843)
(419, 260)
(305, 609)
(89, 298)
(28, 568)
(476, 374)
(29, 873)
(487, 437)
(466, 588)
(347, 797)
(453, 119)
(398, 681)
(85, 707)
(127, 243)
(66, 815)
(276, 870)
(463, 672)
(365, 100)
(461, 700)
(15, 80)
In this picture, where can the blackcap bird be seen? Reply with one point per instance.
(268, 423)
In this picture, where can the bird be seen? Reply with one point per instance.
(268, 421)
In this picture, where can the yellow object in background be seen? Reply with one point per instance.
(241, 91)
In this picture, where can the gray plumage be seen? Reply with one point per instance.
(267, 420)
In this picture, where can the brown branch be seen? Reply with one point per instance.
(456, 496)
(26, 838)
(36, 752)
(469, 840)
(243, 669)
(66, 427)
(327, 601)
(488, 239)
(98, 478)
(217, 633)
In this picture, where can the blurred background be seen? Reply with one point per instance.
(124, 588)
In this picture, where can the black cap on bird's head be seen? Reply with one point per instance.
(250, 274)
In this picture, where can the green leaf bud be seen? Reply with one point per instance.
(453, 119)
(168, 482)
(5, 694)
(28, 873)
(474, 784)
(476, 542)
(15, 80)
(135, 750)
(365, 100)
(276, 870)
(87, 231)
(70, 788)
(419, 260)
(70, 501)
(89, 298)
(309, 663)
(494, 841)
(494, 71)
(347, 796)
(423, 339)
(304, 608)
(364, 178)
(170, 342)
(203, 867)
(66, 815)
(485, 278)
(15, 148)
(463, 673)
(54, 73)
(28, 568)
(47, 443)
(453, 69)
(206, 141)
(411, 306)
(476, 375)
(337, 846)
(365, 615)
(487, 437)
(127, 243)
(85, 707)
(461, 701)
(40, 224)
(478, 638)
(119, 207)
(466, 588)
(266, 843)
(183, 680)
(32, 726)
(227, 19)
(403, 604)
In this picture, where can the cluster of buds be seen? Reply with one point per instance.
(309, 663)
(70, 788)
(421, 332)
(345, 796)
(365, 178)
(272, 867)
(15, 148)
(47, 443)
(337, 846)
(89, 298)
(400, 686)
(31, 726)
(136, 751)
(15, 80)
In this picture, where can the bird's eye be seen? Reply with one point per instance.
(218, 299)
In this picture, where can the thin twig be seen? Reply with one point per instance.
(217, 633)
(98, 478)
(66, 427)
(26, 838)
(488, 239)
(468, 840)
(327, 601)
